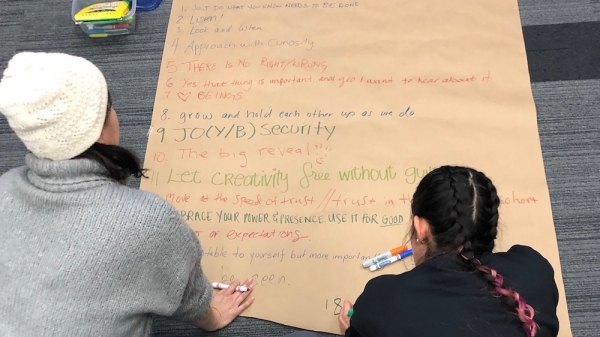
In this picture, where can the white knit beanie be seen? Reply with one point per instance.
(55, 103)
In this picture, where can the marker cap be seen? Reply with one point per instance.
(391, 260)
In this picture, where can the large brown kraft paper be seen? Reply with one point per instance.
(307, 126)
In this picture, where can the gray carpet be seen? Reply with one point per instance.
(564, 58)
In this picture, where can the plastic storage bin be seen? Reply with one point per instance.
(147, 5)
(105, 28)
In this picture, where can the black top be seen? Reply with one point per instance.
(442, 298)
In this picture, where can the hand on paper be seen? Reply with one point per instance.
(343, 319)
(226, 305)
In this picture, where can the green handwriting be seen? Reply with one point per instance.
(277, 179)
(309, 174)
(185, 177)
(366, 173)
(415, 174)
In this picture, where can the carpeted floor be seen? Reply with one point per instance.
(563, 48)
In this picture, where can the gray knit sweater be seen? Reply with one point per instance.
(81, 255)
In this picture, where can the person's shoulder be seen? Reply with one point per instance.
(383, 283)
(524, 251)
(145, 211)
(145, 198)
(10, 181)
(384, 291)
(140, 201)
(12, 174)
(530, 257)
(532, 272)
(379, 281)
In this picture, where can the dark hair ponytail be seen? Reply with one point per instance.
(461, 206)
(118, 161)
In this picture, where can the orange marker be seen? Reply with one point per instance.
(383, 256)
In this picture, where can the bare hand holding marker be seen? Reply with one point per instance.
(344, 317)
(226, 305)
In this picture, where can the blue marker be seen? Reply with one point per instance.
(391, 260)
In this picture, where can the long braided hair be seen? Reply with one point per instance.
(461, 206)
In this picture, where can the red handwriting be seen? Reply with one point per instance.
(331, 199)
(306, 65)
(517, 200)
(184, 96)
(197, 66)
(293, 63)
(285, 151)
(190, 153)
(173, 198)
(457, 79)
(233, 89)
(217, 84)
(317, 151)
(207, 95)
(293, 235)
(187, 83)
(241, 200)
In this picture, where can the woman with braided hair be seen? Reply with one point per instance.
(459, 287)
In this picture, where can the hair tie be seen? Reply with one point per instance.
(471, 260)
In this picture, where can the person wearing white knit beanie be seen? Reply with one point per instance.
(82, 254)
(60, 108)
(55, 103)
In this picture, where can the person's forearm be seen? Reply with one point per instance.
(210, 322)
